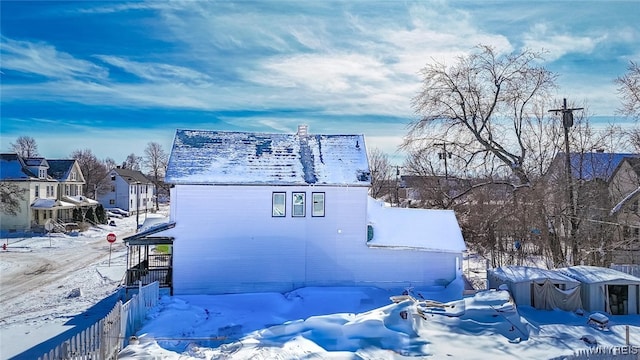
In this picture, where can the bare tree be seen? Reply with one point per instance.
(93, 170)
(634, 139)
(132, 162)
(11, 195)
(110, 164)
(381, 174)
(629, 90)
(25, 146)
(155, 160)
(485, 100)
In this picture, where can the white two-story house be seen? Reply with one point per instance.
(128, 190)
(44, 190)
(274, 212)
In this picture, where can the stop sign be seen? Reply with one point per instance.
(111, 237)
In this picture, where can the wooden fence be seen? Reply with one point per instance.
(104, 339)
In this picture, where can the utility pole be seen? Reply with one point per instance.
(397, 186)
(444, 155)
(567, 122)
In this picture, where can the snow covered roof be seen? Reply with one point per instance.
(595, 274)
(216, 157)
(12, 167)
(60, 169)
(420, 229)
(81, 200)
(38, 161)
(627, 200)
(518, 274)
(50, 203)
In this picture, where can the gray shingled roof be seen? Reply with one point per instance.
(59, 169)
(132, 176)
(216, 157)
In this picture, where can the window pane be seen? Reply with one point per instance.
(298, 204)
(318, 204)
(279, 207)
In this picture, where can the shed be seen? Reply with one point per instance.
(539, 288)
(607, 290)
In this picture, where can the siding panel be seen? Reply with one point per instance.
(226, 241)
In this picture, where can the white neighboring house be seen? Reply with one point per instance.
(128, 190)
(52, 190)
(258, 212)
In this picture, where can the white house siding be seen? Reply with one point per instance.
(226, 241)
(22, 220)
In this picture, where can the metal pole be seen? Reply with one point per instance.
(137, 205)
(567, 122)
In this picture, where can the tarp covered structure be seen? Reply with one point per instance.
(608, 290)
(548, 297)
(539, 288)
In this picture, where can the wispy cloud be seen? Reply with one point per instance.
(42, 59)
(557, 44)
(157, 72)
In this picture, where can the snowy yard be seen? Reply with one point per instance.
(339, 323)
(362, 323)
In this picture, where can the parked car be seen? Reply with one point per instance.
(114, 215)
(118, 211)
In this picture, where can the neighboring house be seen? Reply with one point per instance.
(538, 288)
(128, 190)
(624, 190)
(274, 212)
(606, 290)
(51, 192)
(600, 181)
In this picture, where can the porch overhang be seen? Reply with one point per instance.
(145, 238)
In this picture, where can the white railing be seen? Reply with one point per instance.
(104, 339)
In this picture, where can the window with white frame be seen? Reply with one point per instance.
(318, 204)
(112, 202)
(298, 204)
(37, 190)
(278, 207)
(74, 176)
(42, 173)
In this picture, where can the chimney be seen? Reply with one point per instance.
(303, 130)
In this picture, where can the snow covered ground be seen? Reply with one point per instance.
(362, 323)
(36, 280)
(38, 277)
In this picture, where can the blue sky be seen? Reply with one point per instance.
(113, 76)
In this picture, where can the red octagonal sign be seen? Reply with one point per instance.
(111, 237)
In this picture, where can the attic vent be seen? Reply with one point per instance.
(303, 130)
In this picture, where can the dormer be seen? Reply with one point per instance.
(38, 166)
